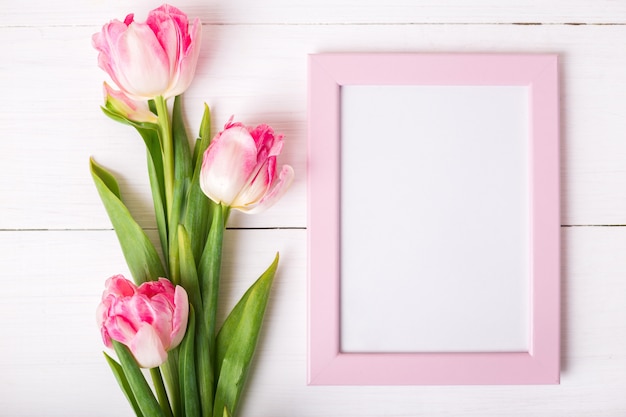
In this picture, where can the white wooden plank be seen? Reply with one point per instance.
(51, 123)
(51, 355)
(52, 363)
(42, 13)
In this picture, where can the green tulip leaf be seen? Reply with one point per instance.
(209, 269)
(111, 113)
(118, 372)
(141, 256)
(150, 134)
(148, 404)
(189, 281)
(157, 182)
(182, 177)
(237, 340)
(189, 275)
(187, 368)
(180, 189)
(204, 137)
(182, 153)
(205, 124)
(198, 209)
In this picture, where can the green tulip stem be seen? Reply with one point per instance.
(159, 387)
(167, 147)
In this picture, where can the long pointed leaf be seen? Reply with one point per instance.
(143, 393)
(182, 153)
(158, 198)
(237, 340)
(157, 182)
(181, 159)
(189, 276)
(122, 119)
(209, 269)
(180, 189)
(150, 135)
(188, 378)
(118, 372)
(205, 127)
(141, 256)
(106, 178)
(197, 213)
(189, 281)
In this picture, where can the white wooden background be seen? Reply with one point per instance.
(57, 246)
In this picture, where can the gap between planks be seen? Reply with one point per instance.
(354, 24)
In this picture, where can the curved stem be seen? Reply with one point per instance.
(167, 150)
(167, 147)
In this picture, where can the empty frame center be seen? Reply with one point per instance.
(434, 219)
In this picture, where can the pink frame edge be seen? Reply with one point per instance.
(327, 365)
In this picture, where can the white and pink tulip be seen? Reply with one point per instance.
(239, 168)
(151, 59)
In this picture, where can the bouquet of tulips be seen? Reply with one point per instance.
(164, 319)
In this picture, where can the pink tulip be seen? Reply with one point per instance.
(239, 168)
(151, 59)
(150, 319)
(120, 104)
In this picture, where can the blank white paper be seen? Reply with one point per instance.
(434, 219)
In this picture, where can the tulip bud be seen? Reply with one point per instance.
(239, 168)
(121, 105)
(150, 319)
(151, 59)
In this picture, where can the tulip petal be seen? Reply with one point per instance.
(142, 65)
(119, 286)
(102, 41)
(227, 165)
(267, 143)
(167, 33)
(139, 309)
(152, 288)
(257, 186)
(162, 309)
(101, 313)
(275, 193)
(182, 46)
(120, 329)
(180, 317)
(147, 347)
(187, 62)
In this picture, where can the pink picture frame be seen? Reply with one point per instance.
(328, 362)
